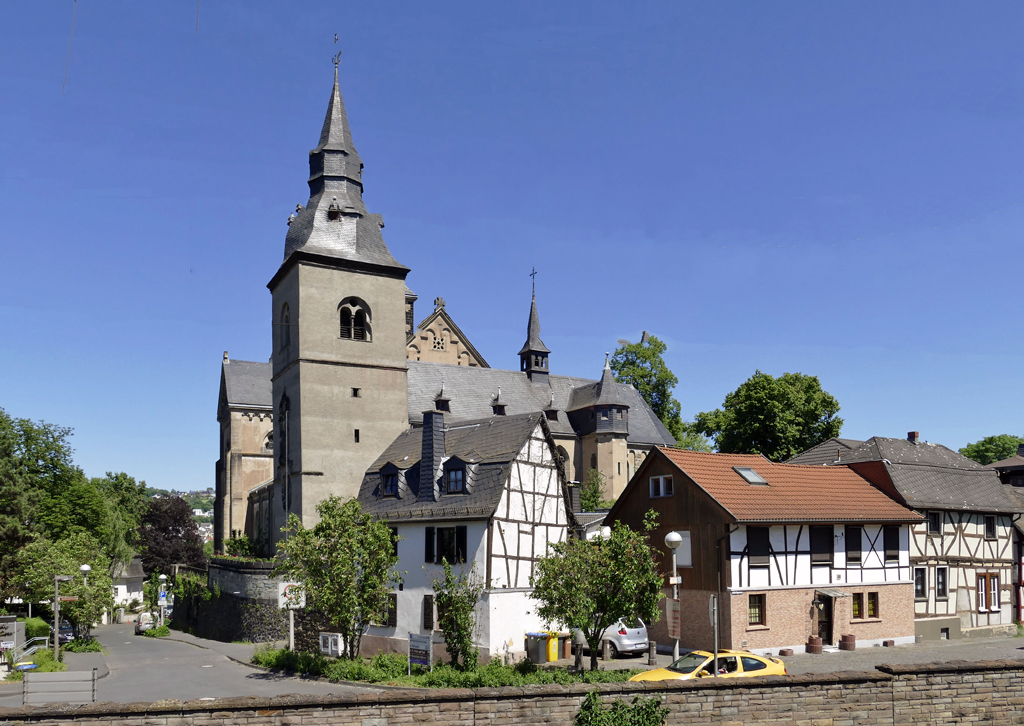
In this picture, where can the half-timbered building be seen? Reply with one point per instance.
(1011, 474)
(962, 552)
(487, 495)
(790, 551)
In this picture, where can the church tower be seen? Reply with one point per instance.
(339, 307)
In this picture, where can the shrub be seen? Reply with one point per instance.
(84, 645)
(642, 712)
(162, 632)
(43, 659)
(36, 628)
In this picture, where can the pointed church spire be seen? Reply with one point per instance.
(335, 223)
(533, 357)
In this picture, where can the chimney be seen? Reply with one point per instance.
(574, 498)
(431, 455)
(226, 359)
(913, 436)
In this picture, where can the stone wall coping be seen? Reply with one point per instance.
(252, 706)
(243, 566)
(953, 666)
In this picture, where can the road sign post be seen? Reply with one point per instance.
(713, 616)
(291, 596)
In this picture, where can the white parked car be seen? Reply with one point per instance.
(625, 637)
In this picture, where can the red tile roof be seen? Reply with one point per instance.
(794, 493)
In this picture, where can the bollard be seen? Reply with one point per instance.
(652, 653)
(606, 649)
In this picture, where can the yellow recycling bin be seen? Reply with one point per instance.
(552, 647)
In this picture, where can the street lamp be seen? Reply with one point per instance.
(85, 570)
(57, 579)
(163, 583)
(672, 541)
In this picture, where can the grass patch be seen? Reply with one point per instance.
(392, 668)
(162, 632)
(43, 659)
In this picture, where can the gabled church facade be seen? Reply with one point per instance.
(349, 373)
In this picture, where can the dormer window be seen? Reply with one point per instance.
(455, 481)
(389, 485)
(552, 414)
(499, 410)
(750, 476)
(334, 210)
(441, 404)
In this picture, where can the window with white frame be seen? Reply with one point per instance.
(920, 583)
(988, 593)
(661, 486)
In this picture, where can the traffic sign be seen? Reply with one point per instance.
(69, 598)
(290, 595)
(713, 609)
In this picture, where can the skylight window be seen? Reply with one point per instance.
(751, 476)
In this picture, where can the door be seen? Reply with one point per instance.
(825, 620)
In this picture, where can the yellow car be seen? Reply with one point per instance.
(701, 664)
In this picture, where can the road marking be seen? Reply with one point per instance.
(206, 666)
(208, 698)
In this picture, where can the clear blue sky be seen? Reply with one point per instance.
(829, 188)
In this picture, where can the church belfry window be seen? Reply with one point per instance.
(286, 327)
(354, 320)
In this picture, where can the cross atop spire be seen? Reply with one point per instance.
(533, 276)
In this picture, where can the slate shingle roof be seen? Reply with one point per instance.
(487, 446)
(794, 493)
(247, 383)
(932, 476)
(825, 452)
(471, 392)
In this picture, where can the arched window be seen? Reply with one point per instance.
(286, 327)
(354, 319)
(268, 443)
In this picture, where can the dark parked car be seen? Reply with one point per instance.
(66, 633)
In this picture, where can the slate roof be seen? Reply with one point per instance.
(471, 392)
(605, 392)
(335, 181)
(825, 452)
(932, 476)
(533, 342)
(1014, 462)
(247, 383)
(487, 446)
(132, 571)
(794, 493)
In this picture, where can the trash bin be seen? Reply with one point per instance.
(552, 647)
(536, 647)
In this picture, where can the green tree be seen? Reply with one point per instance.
(691, 439)
(168, 536)
(456, 599)
(591, 489)
(588, 585)
(993, 448)
(345, 564)
(44, 559)
(641, 365)
(776, 417)
(19, 501)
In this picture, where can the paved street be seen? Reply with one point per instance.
(151, 669)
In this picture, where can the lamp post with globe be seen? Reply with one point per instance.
(672, 541)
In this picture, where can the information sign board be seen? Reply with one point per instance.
(419, 650)
(672, 615)
(69, 598)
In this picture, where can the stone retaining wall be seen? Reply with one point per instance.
(946, 693)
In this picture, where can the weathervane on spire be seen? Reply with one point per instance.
(533, 274)
(337, 59)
